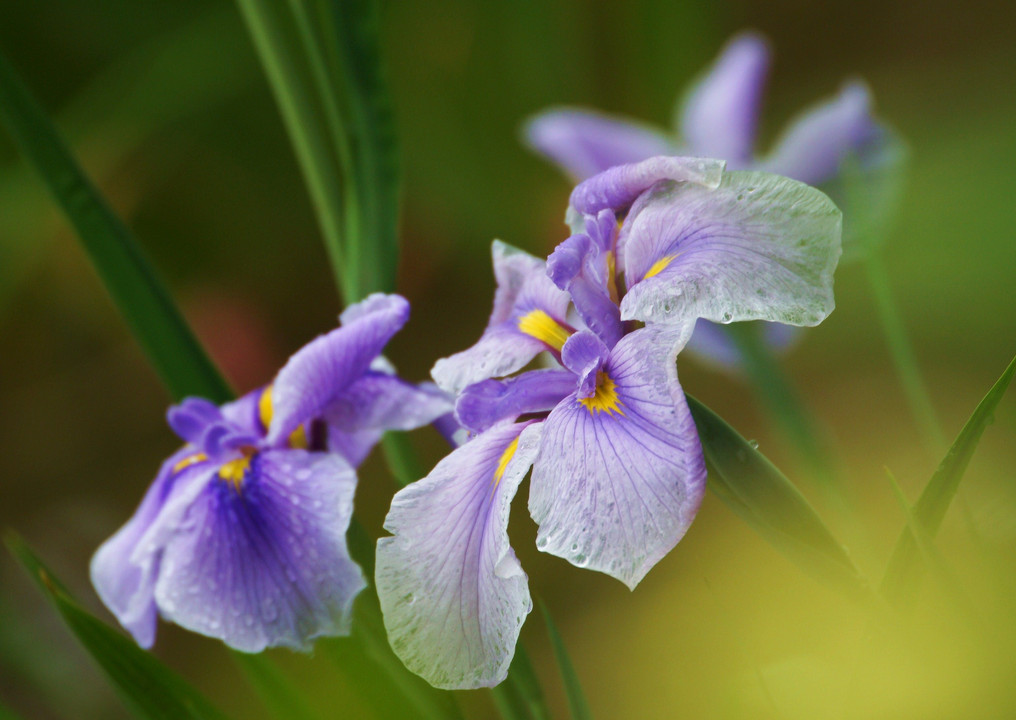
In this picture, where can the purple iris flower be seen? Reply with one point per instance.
(618, 471)
(718, 118)
(242, 536)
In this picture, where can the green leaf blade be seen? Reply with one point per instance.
(577, 703)
(147, 687)
(150, 313)
(764, 498)
(903, 572)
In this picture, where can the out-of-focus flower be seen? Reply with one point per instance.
(242, 535)
(618, 471)
(836, 145)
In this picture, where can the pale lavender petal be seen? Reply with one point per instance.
(124, 581)
(454, 596)
(522, 287)
(585, 354)
(486, 403)
(615, 490)
(584, 143)
(266, 565)
(815, 145)
(387, 402)
(244, 413)
(324, 368)
(616, 189)
(759, 247)
(711, 342)
(191, 417)
(354, 445)
(720, 114)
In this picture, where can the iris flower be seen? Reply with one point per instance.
(827, 145)
(618, 472)
(242, 535)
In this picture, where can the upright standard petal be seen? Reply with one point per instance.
(758, 247)
(584, 143)
(720, 113)
(264, 563)
(620, 475)
(124, 585)
(453, 594)
(815, 145)
(616, 189)
(323, 369)
(528, 318)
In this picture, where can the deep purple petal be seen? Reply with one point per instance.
(720, 114)
(323, 369)
(816, 143)
(191, 417)
(585, 354)
(584, 143)
(759, 247)
(522, 288)
(266, 565)
(580, 266)
(486, 403)
(616, 189)
(615, 489)
(125, 578)
(453, 594)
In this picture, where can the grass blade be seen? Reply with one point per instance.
(522, 677)
(573, 689)
(147, 687)
(764, 498)
(139, 295)
(903, 573)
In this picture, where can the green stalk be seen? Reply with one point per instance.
(902, 353)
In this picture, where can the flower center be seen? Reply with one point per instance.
(298, 439)
(544, 328)
(604, 399)
(234, 471)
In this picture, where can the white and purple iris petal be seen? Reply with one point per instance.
(242, 535)
(453, 593)
(528, 318)
(620, 472)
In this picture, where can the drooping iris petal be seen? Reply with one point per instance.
(758, 247)
(324, 368)
(720, 113)
(454, 596)
(616, 189)
(264, 564)
(585, 143)
(126, 587)
(711, 343)
(619, 476)
(488, 402)
(814, 146)
(526, 319)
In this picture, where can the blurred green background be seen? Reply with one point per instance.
(166, 105)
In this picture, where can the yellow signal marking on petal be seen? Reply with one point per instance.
(234, 470)
(189, 460)
(544, 328)
(658, 266)
(612, 276)
(502, 464)
(298, 439)
(265, 407)
(605, 398)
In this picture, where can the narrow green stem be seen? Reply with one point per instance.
(782, 400)
(277, 41)
(902, 354)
